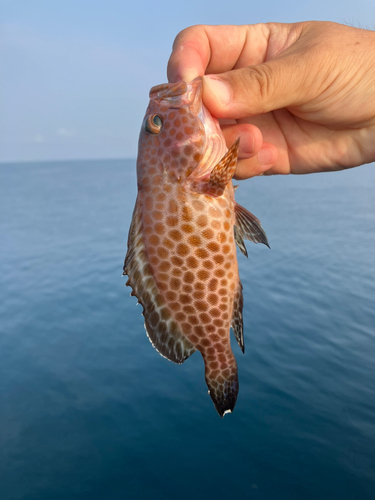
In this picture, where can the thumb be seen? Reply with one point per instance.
(255, 89)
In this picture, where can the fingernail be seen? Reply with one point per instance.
(220, 89)
(266, 156)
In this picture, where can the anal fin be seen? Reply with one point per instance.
(162, 330)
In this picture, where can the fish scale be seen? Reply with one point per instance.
(181, 259)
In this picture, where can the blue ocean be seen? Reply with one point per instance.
(90, 411)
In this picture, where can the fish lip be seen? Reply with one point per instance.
(194, 95)
(195, 87)
(168, 90)
(180, 93)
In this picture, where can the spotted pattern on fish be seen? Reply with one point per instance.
(181, 258)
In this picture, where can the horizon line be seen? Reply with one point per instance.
(14, 162)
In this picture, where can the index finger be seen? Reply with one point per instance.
(203, 49)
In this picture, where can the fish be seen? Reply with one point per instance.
(181, 259)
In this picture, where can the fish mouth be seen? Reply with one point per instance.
(180, 93)
(194, 94)
(168, 90)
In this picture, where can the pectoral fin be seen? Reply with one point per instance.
(239, 240)
(247, 227)
(223, 172)
(237, 318)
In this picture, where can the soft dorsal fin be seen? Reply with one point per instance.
(223, 172)
(247, 227)
(237, 318)
(162, 330)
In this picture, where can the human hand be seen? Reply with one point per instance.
(301, 96)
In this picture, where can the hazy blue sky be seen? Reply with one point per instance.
(75, 74)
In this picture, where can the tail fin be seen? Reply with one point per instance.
(223, 390)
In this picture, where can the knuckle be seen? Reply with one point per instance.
(188, 35)
(258, 82)
(269, 27)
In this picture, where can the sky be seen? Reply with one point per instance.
(75, 74)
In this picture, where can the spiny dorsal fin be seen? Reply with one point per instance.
(223, 172)
(162, 330)
(248, 227)
(237, 318)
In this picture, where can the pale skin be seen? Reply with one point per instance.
(300, 96)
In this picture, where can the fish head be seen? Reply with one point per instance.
(178, 134)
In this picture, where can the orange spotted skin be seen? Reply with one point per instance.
(181, 261)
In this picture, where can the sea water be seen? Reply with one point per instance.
(89, 410)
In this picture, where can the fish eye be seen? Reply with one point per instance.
(153, 124)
